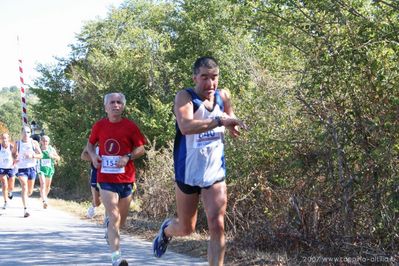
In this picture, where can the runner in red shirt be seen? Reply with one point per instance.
(120, 142)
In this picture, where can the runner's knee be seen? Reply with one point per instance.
(216, 223)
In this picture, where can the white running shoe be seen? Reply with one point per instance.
(45, 205)
(5, 205)
(91, 212)
(26, 213)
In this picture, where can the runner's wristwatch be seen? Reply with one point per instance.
(219, 121)
(129, 155)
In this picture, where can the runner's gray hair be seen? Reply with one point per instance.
(45, 137)
(108, 95)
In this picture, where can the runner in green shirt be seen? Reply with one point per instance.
(47, 169)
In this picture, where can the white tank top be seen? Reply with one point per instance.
(6, 160)
(25, 149)
(199, 158)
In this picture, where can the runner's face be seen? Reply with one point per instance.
(114, 106)
(26, 133)
(206, 82)
(45, 142)
(5, 139)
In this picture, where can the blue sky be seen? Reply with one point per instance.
(45, 29)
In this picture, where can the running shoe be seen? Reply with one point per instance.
(45, 205)
(91, 212)
(106, 222)
(10, 195)
(5, 206)
(161, 241)
(26, 213)
(120, 262)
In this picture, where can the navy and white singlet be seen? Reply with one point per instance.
(199, 158)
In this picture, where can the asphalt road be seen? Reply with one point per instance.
(54, 237)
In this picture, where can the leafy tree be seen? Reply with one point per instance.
(345, 86)
(314, 80)
(10, 111)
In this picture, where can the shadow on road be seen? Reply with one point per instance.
(54, 237)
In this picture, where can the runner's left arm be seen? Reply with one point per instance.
(15, 152)
(54, 154)
(137, 152)
(229, 120)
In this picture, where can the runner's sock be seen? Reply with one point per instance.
(115, 255)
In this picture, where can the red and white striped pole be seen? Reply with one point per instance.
(22, 89)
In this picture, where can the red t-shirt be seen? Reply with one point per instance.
(116, 139)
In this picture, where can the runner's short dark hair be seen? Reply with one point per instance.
(205, 61)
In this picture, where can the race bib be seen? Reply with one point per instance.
(45, 162)
(108, 165)
(207, 138)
